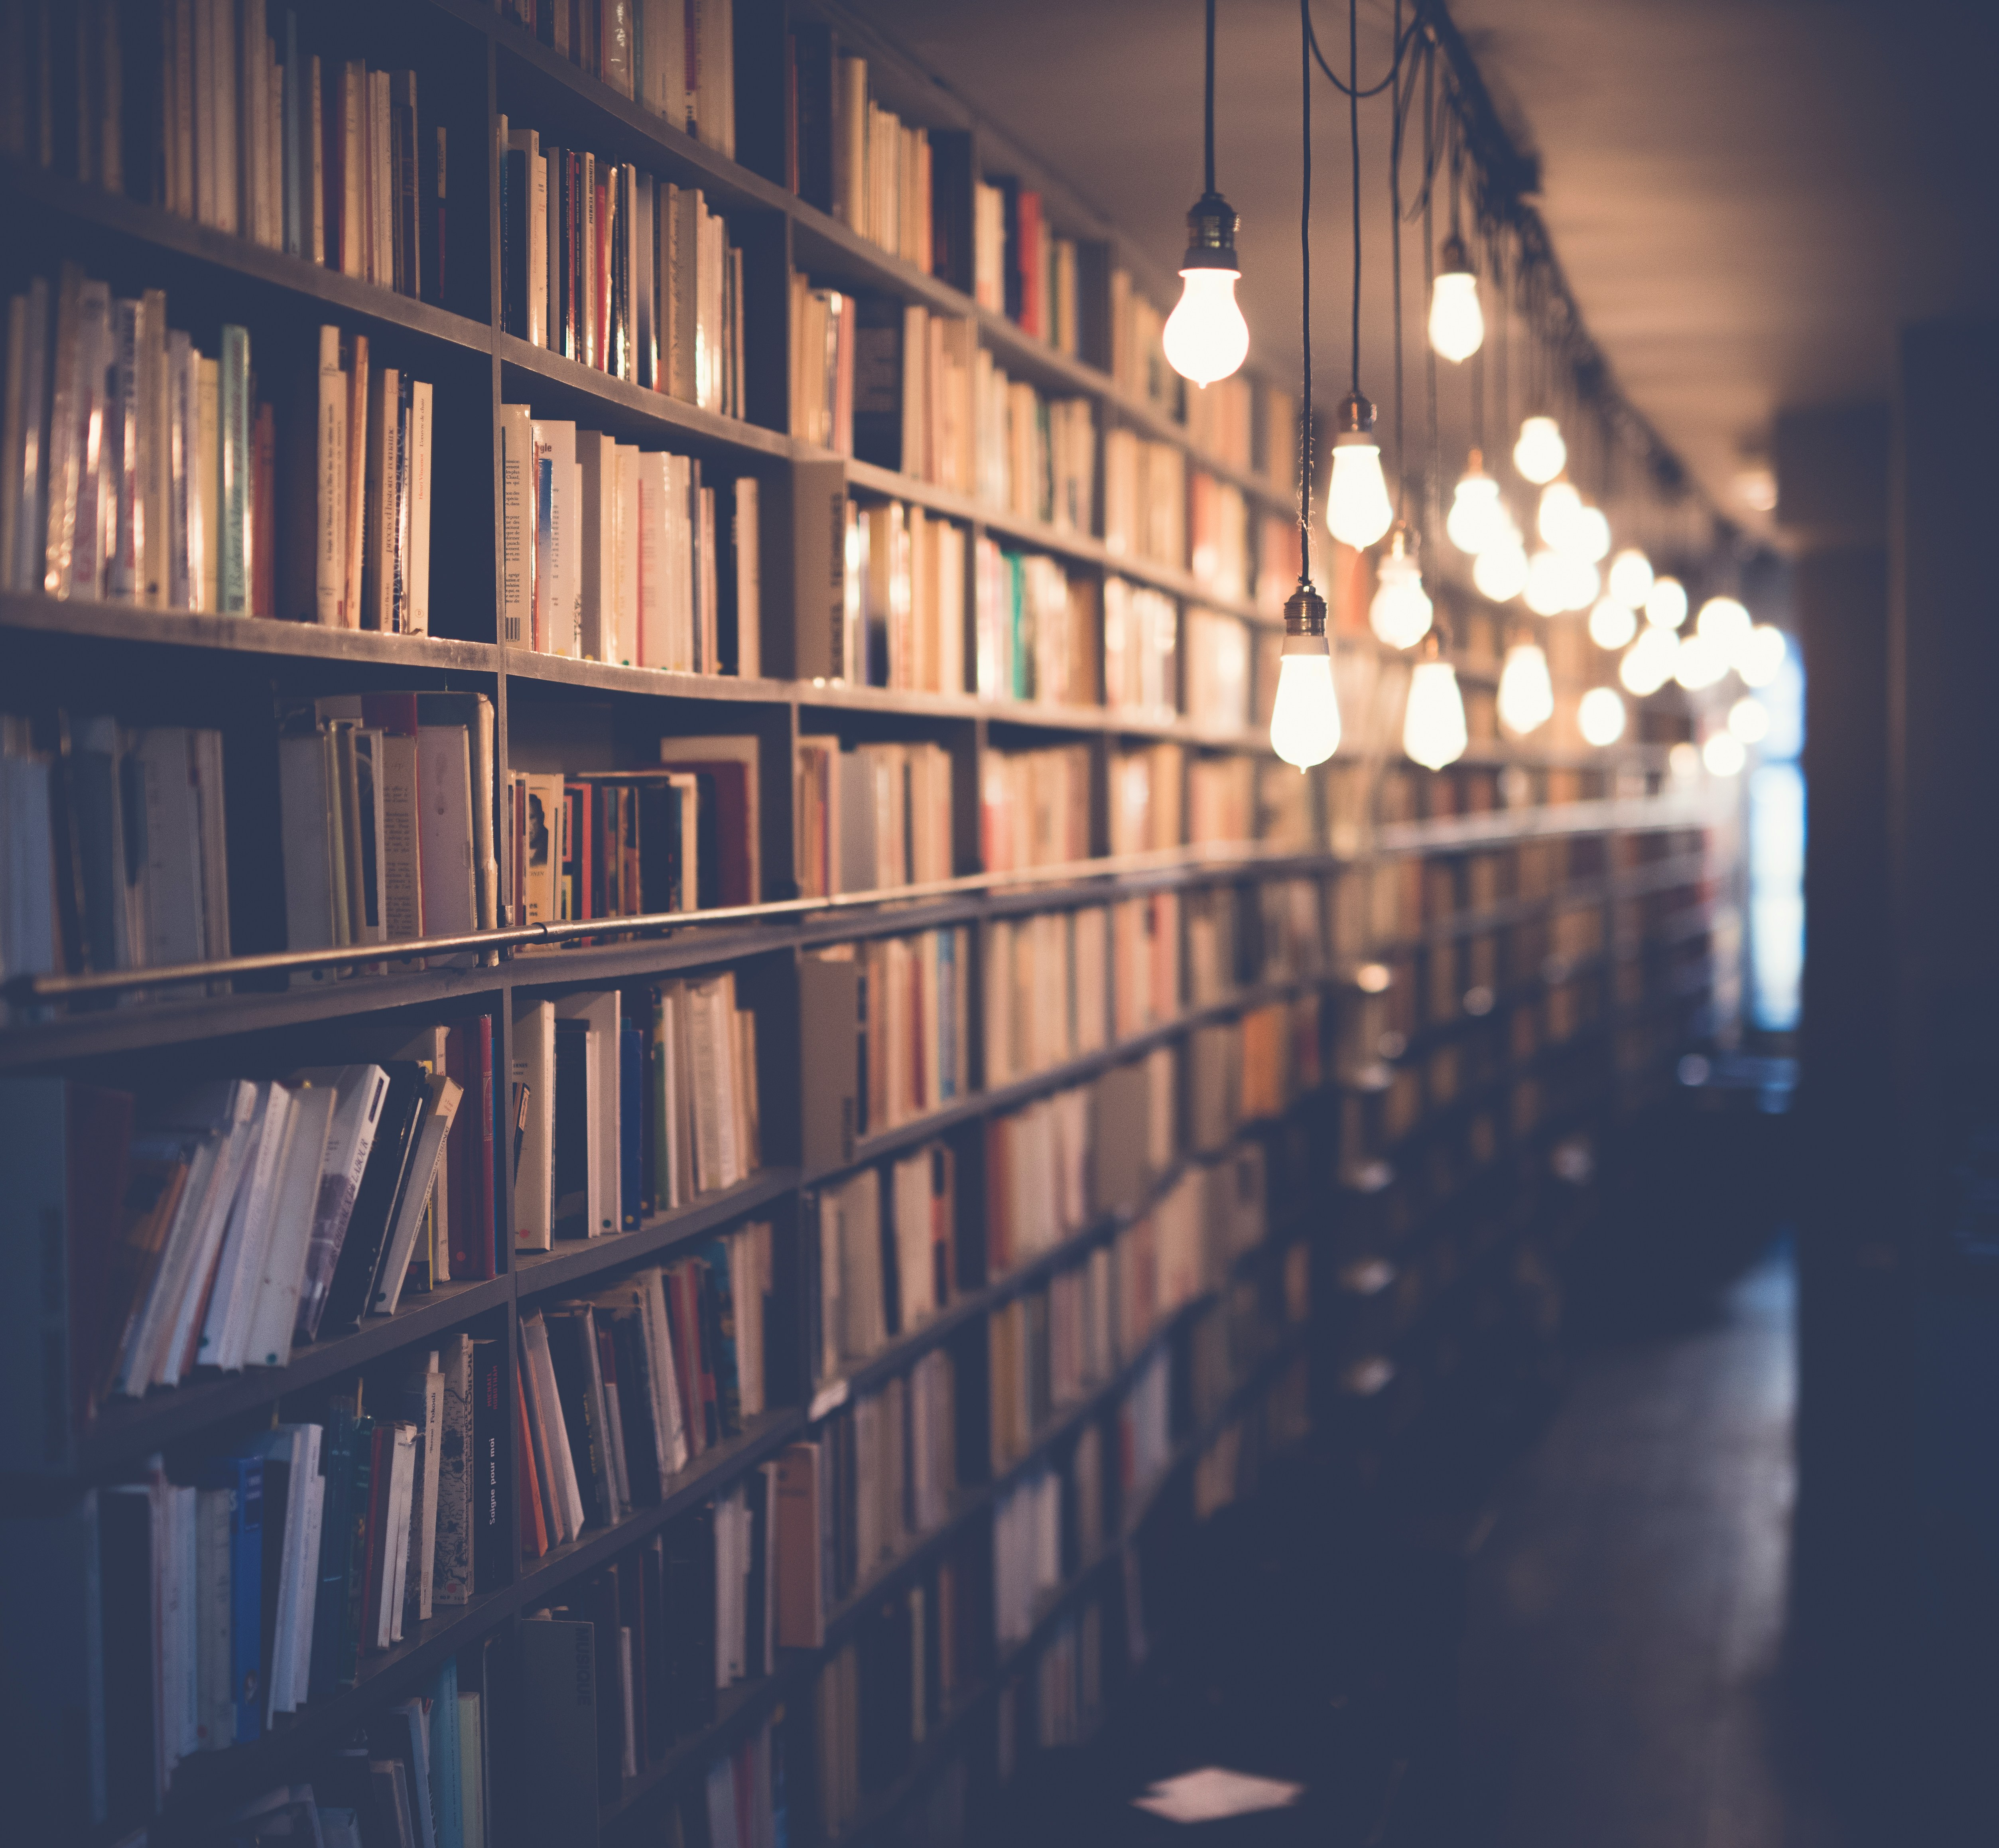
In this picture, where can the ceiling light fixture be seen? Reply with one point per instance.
(1433, 730)
(1540, 454)
(1631, 578)
(1358, 509)
(1666, 603)
(1477, 520)
(1206, 337)
(1400, 612)
(1599, 716)
(1526, 694)
(1501, 572)
(1457, 324)
(1612, 622)
(1304, 718)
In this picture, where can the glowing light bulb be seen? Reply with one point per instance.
(1540, 454)
(1700, 662)
(1357, 510)
(1648, 662)
(1477, 519)
(1433, 733)
(1612, 622)
(1457, 325)
(1726, 623)
(1501, 571)
(1400, 614)
(1205, 337)
(1761, 659)
(1304, 717)
(1666, 603)
(1599, 716)
(1581, 580)
(1749, 719)
(1683, 761)
(1631, 578)
(1547, 583)
(1526, 695)
(1589, 535)
(1723, 754)
(1556, 515)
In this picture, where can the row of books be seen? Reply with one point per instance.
(1047, 991)
(631, 843)
(232, 1588)
(872, 817)
(418, 1772)
(1145, 499)
(618, 554)
(387, 833)
(880, 1696)
(1034, 807)
(619, 1392)
(628, 274)
(1140, 650)
(630, 1105)
(882, 1471)
(213, 110)
(1218, 535)
(676, 58)
(904, 590)
(886, 1258)
(134, 469)
(1026, 1551)
(1034, 627)
(113, 842)
(633, 1658)
(1037, 455)
(1040, 1182)
(1044, 1351)
(885, 1032)
(881, 168)
(218, 1228)
(1069, 1680)
(1020, 268)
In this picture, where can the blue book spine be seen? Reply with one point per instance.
(447, 1791)
(244, 1477)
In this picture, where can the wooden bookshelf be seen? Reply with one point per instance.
(1337, 1202)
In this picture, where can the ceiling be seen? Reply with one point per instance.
(1748, 196)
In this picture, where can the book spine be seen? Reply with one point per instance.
(233, 572)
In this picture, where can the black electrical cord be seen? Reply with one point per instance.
(1333, 77)
(1434, 469)
(1353, 141)
(1305, 432)
(1210, 169)
(1395, 278)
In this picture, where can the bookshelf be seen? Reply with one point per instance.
(1377, 1152)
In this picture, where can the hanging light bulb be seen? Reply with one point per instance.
(1683, 761)
(1555, 517)
(1501, 571)
(1547, 583)
(1700, 662)
(1762, 658)
(1666, 603)
(1749, 719)
(1206, 337)
(1581, 580)
(1725, 623)
(1723, 754)
(1589, 535)
(1400, 614)
(1526, 695)
(1433, 733)
(1457, 326)
(1305, 720)
(1631, 578)
(1648, 662)
(1477, 519)
(1540, 454)
(1357, 511)
(1612, 622)
(1599, 716)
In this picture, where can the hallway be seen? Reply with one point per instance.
(1593, 1659)
(1624, 1675)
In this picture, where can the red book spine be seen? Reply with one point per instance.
(534, 1530)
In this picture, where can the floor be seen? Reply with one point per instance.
(1593, 1658)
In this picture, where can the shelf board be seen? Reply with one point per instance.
(155, 228)
(127, 1430)
(705, 431)
(578, 1260)
(248, 635)
(529, 666)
